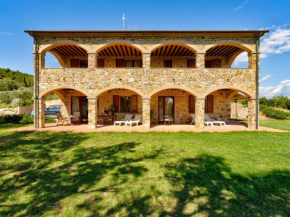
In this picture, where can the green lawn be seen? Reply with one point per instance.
(11, 126)
(276, 124)
(144, 174)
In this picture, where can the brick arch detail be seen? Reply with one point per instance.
(174, 87)
(50, 90)
(238, 44)
(174, 42)
(122, 87)
(238, 89)
(119, 42)
(54, 44)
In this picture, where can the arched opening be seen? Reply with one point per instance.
(116, 102)
(119, 55)
(229, 105)
(173, 56)
(172, 106)
(66, 105)
(223, 56)
(68, 56)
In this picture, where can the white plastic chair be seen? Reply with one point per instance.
(136, 120)
(211, 122)
(123, 121)
(193, 118)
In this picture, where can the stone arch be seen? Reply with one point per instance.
(173, 87)
(52, 89)
(116, 42)
(238, 44)
(45, 48)
(60, 60)
(237, 89)
(122, 87)
(175, 42)
(232, 59)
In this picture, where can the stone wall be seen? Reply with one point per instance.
(238, 110)
(222, 106)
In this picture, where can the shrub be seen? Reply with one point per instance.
(273, 113)
(22, 119)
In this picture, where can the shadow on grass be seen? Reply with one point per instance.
(46, 178)
(204, 185)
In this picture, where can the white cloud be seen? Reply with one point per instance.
(243, 57)
(265, 78)
(6, 33)
(281, 89)
(276, 42)
(241, 6)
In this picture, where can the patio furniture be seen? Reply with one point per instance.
(193, 118)
(167, 119)
(62, 120)
(123, 121)
(105, 119)
(211, 122)
(75, 119)
(136, 120)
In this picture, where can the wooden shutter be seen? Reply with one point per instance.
(167, 63)
(209, 104)
(134, 103)
(100, 63)
(116, 102)
(120, 63)
(217, 63)
(191, 103)
(74, 63)
(208, 64)
(191, 63)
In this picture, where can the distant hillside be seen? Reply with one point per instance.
(12, 80)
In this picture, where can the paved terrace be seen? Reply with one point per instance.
(231, 126)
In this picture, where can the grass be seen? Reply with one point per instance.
(11, 126)
(144, 174)
(276, 124)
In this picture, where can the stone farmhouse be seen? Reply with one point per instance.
(152, 72)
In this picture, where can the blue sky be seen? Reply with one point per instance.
(18, 15)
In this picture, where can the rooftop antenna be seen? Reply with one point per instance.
(125, 27)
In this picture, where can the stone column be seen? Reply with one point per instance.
(92, 112)
(92, 59)
(146, 112)
(146, 58)
(200, 60)
(252, 113)
(199, 113)
(41, 112)
(252, 60)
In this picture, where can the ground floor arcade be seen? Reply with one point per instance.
(172, 103)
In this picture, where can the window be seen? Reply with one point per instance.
(125, 103)
(208, 64)
(74, 63)
(100, 63)
(217, 63)
(167, 63)
(209, 104)
(120, 63)
(84, 64)
(133, 63)
(191, 63)
(191, 102)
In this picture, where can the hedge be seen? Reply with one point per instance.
(273, 113)
(22, 119)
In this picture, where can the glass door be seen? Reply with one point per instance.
(165, 108)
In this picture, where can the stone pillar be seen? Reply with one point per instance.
(252, 113)
(252, 60)
(92, 112)
(92, 59)
(146, 112)
(200, 60)
(199, 113)
(146, 58)
(41, 112)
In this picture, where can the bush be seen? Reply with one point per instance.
(273, 113)
(22, 119)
